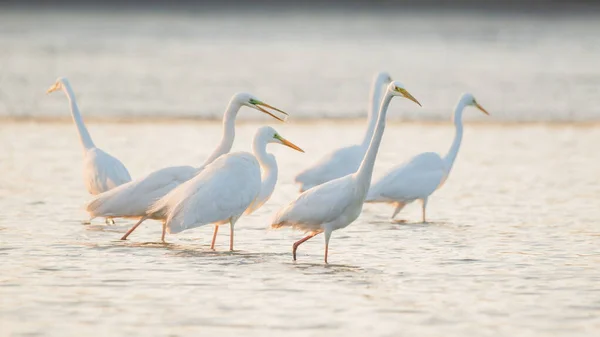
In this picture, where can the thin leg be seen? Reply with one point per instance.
(212, 245)
(231, 236)
(327, 237)
(298, 243)
(399, 207)
(424, 202)
(133, 228)
(164, 230)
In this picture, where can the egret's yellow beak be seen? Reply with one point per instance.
(288, 143)
(408, 95)
(53, 88)
(481, 108)
(259, 106)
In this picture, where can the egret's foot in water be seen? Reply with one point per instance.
(298, 243)
(398, 221)
(212, 244)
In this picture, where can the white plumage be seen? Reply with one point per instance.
(221, 192)
(101, 171)
(346, 160)
(131, 200)
(418, 178)
(337, 203)
(217, 195)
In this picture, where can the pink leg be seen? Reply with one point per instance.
(212, 245)
(133, 228)
(298, 243)
(164, 230)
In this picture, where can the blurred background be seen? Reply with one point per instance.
(524, 61)
(512, 246)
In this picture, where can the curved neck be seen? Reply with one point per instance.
(373, 111)
(84, 135)
(228, 133)
(268, 165)
(365, 171)
(457, 118)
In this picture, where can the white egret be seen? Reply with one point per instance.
(222, 192)
(337, 203)
(101, 171)
(346, 160)
(131, 200)
(418, 178)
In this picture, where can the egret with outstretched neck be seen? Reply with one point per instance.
(131, 200)
(220, 194)
(346, 160)
(101, 171)
(418, 178)
(337, 203)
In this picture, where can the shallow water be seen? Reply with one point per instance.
(511, 250)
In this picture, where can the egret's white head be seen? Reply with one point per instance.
(469, 99)
(397, 89)
(269, 135)
(249, 100)
(60, 83)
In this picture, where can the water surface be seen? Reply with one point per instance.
(511, 250)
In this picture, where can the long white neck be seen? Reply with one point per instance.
(268, 165)
(373, 112)
(84, 135)
(457, 118)
(228, 133)
(365, 171)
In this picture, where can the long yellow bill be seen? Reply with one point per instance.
(259, 105)
(288, 143)
(408, 95)
(53, 88)
(482, 109)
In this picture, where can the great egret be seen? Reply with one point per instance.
(424, 173)
(337, 203)
(346, 160)
(221, 193)
(131, 200)
(101, 171)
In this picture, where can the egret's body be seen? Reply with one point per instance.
(418, 178)
(222, 192)
(131, 200)
(337, 203)
(345, 160)
(101, 171)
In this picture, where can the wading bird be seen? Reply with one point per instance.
(222, 192)
(337, 203)
(423, 174)
(346, 160)
(101, 171)
(131, 200)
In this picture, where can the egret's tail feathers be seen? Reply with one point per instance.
(278, 225)
(93, 207)
(174, 229)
